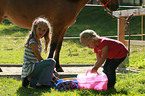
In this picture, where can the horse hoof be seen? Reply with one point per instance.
(59, 70)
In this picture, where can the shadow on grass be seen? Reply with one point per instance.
(11, 29)
(16, 77)
(22, 91)
(102, 93)
(15, 31)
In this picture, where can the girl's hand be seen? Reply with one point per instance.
(54, 79)
(94, 70)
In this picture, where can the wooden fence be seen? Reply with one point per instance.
(131, 2)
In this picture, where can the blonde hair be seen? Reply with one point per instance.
(86, 34)
(39, 20)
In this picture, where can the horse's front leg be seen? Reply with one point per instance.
(56, 42)
(57, 52)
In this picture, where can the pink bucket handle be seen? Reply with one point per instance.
(90, 71)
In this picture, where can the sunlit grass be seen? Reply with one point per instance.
(132, 83)
(72, 51)
(129, 84)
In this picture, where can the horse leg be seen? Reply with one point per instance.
(57, 52)
(1, 20)
(56, 34)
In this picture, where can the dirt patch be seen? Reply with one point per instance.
(15, 72)
(11, 71)
(18, 70)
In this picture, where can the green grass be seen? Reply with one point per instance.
(130, 84)
(72, 52)
(11, 51)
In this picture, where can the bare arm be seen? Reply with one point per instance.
(36, 52)
(98, 56)
(100, 59)
(54, 78)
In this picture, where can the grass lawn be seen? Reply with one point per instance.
(11, 51)
(130, 84)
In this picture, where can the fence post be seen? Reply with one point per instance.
(141, 2)
(121, 30)
(121, 37)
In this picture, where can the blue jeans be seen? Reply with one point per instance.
(109, 69)
(42, 73)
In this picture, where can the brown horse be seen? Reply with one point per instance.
(60, 13)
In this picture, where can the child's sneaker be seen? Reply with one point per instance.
(25, 82)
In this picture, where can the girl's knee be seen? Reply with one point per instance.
(50, 61)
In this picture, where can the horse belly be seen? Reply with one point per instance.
(23, 12)
(20, 23)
